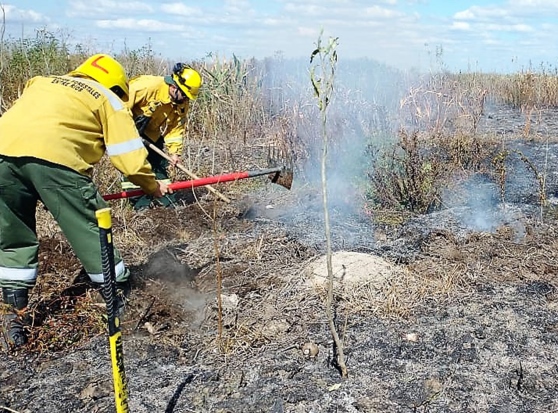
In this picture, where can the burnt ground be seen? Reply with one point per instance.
(457, 311)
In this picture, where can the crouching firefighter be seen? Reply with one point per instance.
(48, 156)
(160, 105)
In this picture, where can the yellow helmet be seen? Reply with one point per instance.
(107, 71)
(187, 79)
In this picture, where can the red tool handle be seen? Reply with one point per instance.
(210, 180)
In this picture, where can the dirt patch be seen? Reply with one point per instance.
(350, 269)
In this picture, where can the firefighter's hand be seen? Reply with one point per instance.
(174, 159)
(162, 190)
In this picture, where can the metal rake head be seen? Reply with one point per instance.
(278, 157)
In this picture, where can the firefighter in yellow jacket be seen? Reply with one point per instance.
(50, 139)
(159, 105)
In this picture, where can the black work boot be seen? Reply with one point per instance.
(18, 300)
(123, 290)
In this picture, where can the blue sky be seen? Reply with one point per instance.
(484, 35)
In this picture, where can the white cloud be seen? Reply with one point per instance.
(465, 15)
(84, 8)
(139, 25)
(482, 13)
(464, 26)
(305, 9)
(20, 16)
(550, 4)
(273, 22)
(332, 10)
(180, 9)
(519, 28)
(236, 6)
(381, 13)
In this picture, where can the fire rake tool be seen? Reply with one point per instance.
(278, 175)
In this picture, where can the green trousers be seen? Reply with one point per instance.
(71, 198)
(159, 166)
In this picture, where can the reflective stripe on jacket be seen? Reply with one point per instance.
(149, 96)
(72, 122)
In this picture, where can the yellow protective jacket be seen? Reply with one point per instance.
(72, 121)
(149, 96)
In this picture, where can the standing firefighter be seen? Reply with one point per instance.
(50, 139)
(159, 106)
